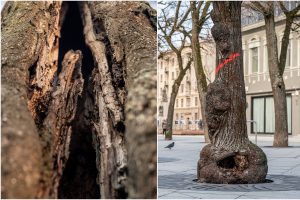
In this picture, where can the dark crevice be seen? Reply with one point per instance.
(227, 163)
(32, 74)
(79, 178)
(72, 38)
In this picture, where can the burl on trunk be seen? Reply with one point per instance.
(231, 157)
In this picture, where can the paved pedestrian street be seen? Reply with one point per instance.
(177, 172)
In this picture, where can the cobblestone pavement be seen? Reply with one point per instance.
(177, 172)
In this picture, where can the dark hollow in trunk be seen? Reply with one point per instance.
(79, 176)
(67, 70)
(231, 157)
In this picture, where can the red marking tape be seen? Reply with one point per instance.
(231, 58)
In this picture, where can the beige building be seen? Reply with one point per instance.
(187, 104)
(260, 106)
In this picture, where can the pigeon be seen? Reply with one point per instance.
(170, 145)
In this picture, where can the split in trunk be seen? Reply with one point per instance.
(76, 110)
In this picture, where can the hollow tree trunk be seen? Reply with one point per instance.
(231, 157)
(125, 34)
(76, 110)
(172, 100)
(278, 86)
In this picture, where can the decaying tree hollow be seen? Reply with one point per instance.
(231, 157)
(78, 100)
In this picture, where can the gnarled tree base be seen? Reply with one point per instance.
(246, 166)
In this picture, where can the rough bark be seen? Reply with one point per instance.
(231, 158)
(25, 28)
(71, 138)
(129, 34)
(61, 115)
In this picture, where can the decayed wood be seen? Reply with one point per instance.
(125, 34)
(25, 28)
(62, 110)
(125, 71)
(231, 158)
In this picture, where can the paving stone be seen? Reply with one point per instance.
(177, 169)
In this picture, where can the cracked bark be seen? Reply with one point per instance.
(130, 44)
(231, 157)
(66, 127)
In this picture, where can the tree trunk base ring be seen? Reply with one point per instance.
(238, 168)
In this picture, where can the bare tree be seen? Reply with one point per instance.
(277, 64)
(180, 24)
(231, 157)
(169, 35)
(199, 17)
(65, 112)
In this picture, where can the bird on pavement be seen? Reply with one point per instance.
(170, 145)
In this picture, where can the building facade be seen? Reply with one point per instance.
(187, 111)
(260, 105)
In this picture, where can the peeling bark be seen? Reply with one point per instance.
(61, 115)
(231, 158)
(128, 47)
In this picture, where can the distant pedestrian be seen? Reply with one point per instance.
(164, 126)
(200, 124)
(188, 123)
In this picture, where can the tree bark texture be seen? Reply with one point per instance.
(231, 157)
(277, 82)
(84, 128)
(24, 37)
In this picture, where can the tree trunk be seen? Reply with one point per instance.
(30, 32)
(128, 32)
(277, 83)
(231, 157)
(174, 92)
(200, 76)
(76, 110)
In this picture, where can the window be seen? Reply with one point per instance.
(172, 75)
(161, 78)
(182, 88)
(176, 116)
(196, 101)
(254, 52)
(181, 102)
(176, 103)
(288, 56)
(188, 102)
(264, 114)
(196, 116)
